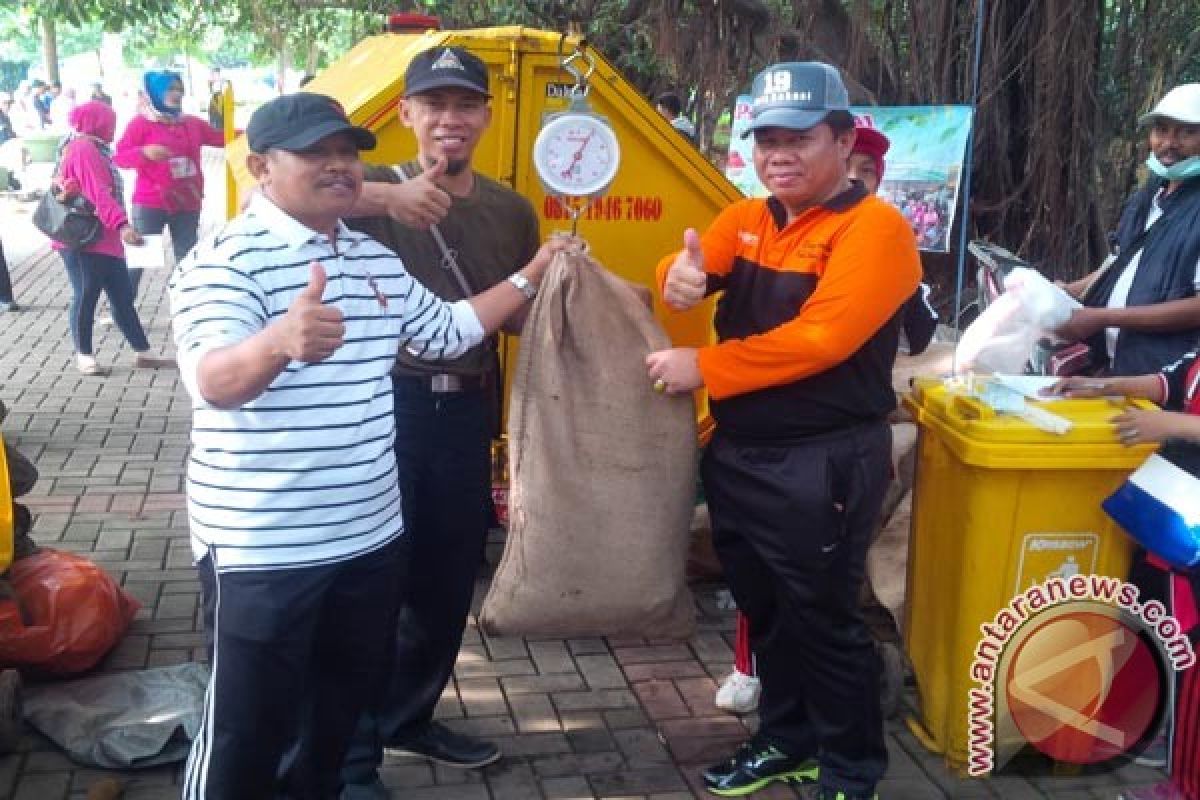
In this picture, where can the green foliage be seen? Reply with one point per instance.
(223, 34)
(304, 30)
(230, 47)
(113, 15)
(19, 38)
(167, 36)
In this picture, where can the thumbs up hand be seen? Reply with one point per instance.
(314, 293)
(686, 282)
(420, 202)
(310, 331)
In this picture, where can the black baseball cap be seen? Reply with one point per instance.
(296, 122)
(796, 95)
(440, 67)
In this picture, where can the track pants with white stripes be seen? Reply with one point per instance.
(297, 655)
(791, 526)
(1185, 757)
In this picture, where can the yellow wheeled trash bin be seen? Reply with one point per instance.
(999, 506)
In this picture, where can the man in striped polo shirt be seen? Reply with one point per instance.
(287, 325)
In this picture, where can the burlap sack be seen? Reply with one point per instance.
(889, 547)
(702, 561)
(887, 561)
(602, 470)
(935, 362)
(904, 467)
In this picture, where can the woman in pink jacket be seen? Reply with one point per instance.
(86, 167)
(162, 144)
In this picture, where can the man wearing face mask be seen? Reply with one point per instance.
(1142, 310)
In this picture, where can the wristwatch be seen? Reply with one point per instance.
(524, 285)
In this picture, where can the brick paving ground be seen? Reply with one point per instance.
(575, 718)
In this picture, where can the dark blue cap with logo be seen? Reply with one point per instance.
(296, 122)
(796, 95)
(442, 67)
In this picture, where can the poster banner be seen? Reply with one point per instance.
(924, 163)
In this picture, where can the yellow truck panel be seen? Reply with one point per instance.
(664, 184)
(7, 523)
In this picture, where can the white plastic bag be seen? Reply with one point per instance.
(1044, 305)
(1002, 337)
(999, 340)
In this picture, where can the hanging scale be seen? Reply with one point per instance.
(576, 153)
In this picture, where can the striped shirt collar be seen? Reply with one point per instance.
(291, 231)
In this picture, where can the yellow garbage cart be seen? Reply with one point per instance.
(664, 184)
(7, 522)
(999, 506)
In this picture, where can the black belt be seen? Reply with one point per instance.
(445, 383)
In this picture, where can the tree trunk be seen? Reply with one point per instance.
(281, 65)
(313, 58)
(189, 85)
(50, 49)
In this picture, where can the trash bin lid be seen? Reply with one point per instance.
(980, 435)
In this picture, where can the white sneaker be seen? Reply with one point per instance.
(87, 365)
(739, 693)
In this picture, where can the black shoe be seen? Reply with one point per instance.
(755, 765)
(719, 770)
(375, 790)
(825, 793)
(438, 743)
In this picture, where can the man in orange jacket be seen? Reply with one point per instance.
(813, 278)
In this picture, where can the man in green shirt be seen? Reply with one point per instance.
(445, 411)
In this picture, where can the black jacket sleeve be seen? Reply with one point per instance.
(919, 320)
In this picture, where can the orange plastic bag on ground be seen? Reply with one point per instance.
(74, 613)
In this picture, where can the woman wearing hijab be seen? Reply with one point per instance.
(162, 144)
(86, 167)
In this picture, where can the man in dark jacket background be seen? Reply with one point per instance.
(1145, 305)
